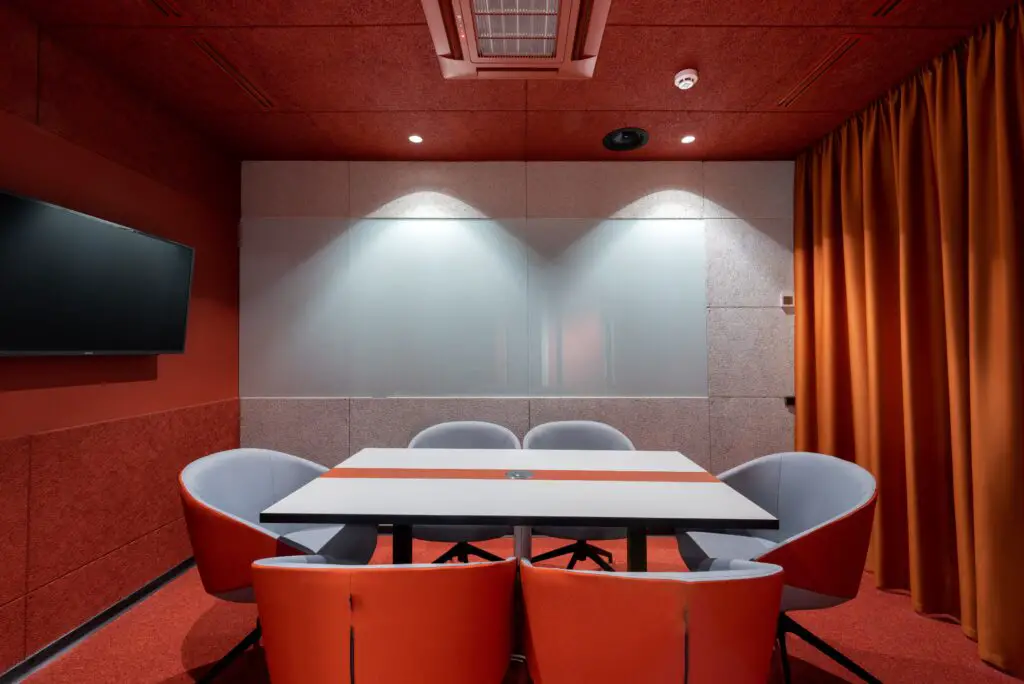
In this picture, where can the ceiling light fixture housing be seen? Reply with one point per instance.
(518, 39)
(415, 139)
(626, 139)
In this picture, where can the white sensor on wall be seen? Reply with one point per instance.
(686, 79)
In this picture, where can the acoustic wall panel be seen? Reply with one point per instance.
(619, 189)
(313, 428)
(438, 189)
(748, 189)
(394, 422)
(743, 429)
(750, 261)
(750, 352)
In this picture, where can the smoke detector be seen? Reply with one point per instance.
(686, 79)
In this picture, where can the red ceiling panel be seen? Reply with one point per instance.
(334, 78)
(455, 136)
(18, 60)
(805, 12)
(226, 12)
(165, 61)
(740, 68)
(357, 69)
(92, 11)
(877, 63)
(756, 135)
(303, 12)
(75, 100)
(269, 135)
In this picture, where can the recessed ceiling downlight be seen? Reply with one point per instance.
(626, 139)
(687, 139)
(415, 139)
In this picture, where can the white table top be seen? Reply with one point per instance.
(412, 497)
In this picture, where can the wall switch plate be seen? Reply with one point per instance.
(788, 299)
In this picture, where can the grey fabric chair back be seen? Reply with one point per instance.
(803, 490)
(465, 434)
(577, 434)
(243, 482)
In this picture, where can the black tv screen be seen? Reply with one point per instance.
(72, 284)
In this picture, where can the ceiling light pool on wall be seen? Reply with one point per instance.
(415, 139)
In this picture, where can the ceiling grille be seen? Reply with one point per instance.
(516, 28)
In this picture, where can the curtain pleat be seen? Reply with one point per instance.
(909, 283)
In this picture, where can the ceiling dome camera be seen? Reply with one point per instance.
(625, 139)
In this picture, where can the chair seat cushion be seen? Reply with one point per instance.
(459, 533)
(353, 543)
(582, 533)
(739, 546)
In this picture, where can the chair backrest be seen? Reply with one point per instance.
(825, 507)
(449, 624)
(465, 434)
(577, 434)
(696, 627)
(222, 495)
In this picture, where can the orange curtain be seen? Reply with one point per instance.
(909, 239)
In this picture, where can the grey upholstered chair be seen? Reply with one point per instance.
(825, 508)
(467, 434)
(223, 494)
(588, 435)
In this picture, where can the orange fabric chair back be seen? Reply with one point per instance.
(443, 624)
(829, 559)
(225, 547)
(651, 628)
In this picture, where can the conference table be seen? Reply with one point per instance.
(636, 490)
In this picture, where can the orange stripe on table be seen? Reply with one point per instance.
(499, 474)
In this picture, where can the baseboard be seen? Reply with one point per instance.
(56, 648)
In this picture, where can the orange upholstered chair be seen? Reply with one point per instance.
(652, 628)
(222, 496)
(825, 508)
(385, 624)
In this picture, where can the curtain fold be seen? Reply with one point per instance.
(910, 285)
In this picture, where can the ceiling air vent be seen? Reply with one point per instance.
(517, 38)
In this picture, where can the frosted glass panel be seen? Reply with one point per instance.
(438, 308)
(473, 307)
(617, 307)
(293, 337)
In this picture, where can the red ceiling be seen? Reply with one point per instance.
(353, 78)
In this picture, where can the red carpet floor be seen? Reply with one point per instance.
(174, 635)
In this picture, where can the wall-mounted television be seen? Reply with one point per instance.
(72, 284)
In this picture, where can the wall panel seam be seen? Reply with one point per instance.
(42, 586)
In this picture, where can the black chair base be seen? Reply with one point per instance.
(788, 625)
(251, 639)
(580, 550)
(463, 550)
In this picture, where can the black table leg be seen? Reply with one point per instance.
(401, 544)
(636, 549)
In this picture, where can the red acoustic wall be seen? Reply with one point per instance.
(90, 448)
